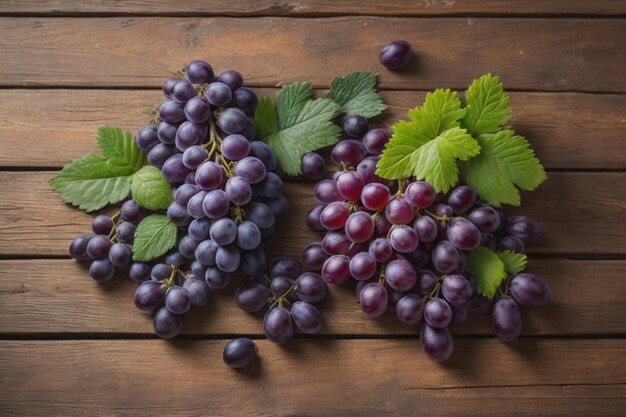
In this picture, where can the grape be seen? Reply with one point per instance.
(403, 239)
(149, 296)
(279, 206)
(506, 320)
(485, 218)
(313, 256)
(399, 211)
(380, 249)
(355, 126)
(524, 228)
(284, 267)
(101, 270)
(239, 353)
(488, 240)
(78, 247)
(231, 78)
(199, 72)
(197, 109)
(174, 170)
(442, 210)
(393, 297)
(261, 151)
(400, 275)
(187, 247)
(139, 272)
(245, 99)
(461, 199)
(362, 266)
(456, 289)
(367, 169)
(373, 299)
(336, 243)
(168, 86)
(194, 156)
(349, 185)
(248, 236)
(166, 324)
(199, 229)
(463, 234)
(361, 284)
(530, 290)
(223, 231)
(252, 297)
(426, 281)
(205, 252)
(280, 285)
(426, 229)
(235, 147)
(183, 92)
(147, 138)
(375, 196)
(159, 154)
(227, 258)
(198, 269)
(131, 212)
(437, 343)
(421, 194)
(218, 94)
(161, 272)
(260, 214)
(313, 166)
(419, 258)
(460, 313)
(216, 279)
(437, 313)
(178, 215)
(335, 215)
(348, 152)
(166, 133)
(238, 191)
(395, 55)
(189, 134)
(215, 204)
(445, 257)
(511, 243)
(270, 187)
(277, 325)
(409, 309)
(313, 218)
(326, 192)
(232, 120)
(306, 317)
(251, 169)
(183, 194)
(253, 262)
(120, 255)
(171, 111)
(102, 224)
(374, 141)
(177, 300)
(336, 269)
(174, 258)
(382, 226)
(98, 247)
(310, 287)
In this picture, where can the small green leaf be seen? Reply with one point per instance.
(505, 161)
(150, 190)
(118, 145)
(487, 106)
(356, 93)
(265, 118)
(154, 236)
(513, 262)
(488, 270)
(441, 111)
(290, 101)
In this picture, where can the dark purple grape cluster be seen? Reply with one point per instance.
(406, 245)
(289, 294)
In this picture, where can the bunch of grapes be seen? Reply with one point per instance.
(289, 294)
(406, 245)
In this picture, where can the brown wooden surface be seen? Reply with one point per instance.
(69, 346)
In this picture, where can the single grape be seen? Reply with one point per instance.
(421, 194)
(149, 296)
(446, 257)
(437, 313)
(166, 324)
(362, 266)
(177, 300)
(166, 133)
(426, 281)
(174, 170)
(375, 196)
(336, 243)
(310, 287)
(199, 229)
(270, 187)
(306, 317)
(313, 218)
(239, 353)
(277, 325)
(235, 147)
(101, 270)
(215, 204)
(485, 218)
(426, 229)
(326, 192)
(506, 320)
(197, 269)
(489, 241)
(159, 154)
(382, 226)
(139, 272)
(396, 55)
(251, 169)
(418, 258)
(524, 228)
(313, 166)
(355, 126)
(78, 247)
(205, 252)
(199, 72)
(98, 247)
(373, 299)
(147, 138)
(216, 279)
(374, 141)
(178, 214)
(174, 258)
(132, 212)
(227, 258)
(380, 249)
(183, 194)
(160, 272)
(168, 86)
(261, 151)
(313, 256)
(223, 231)
(253, 262)
(456, 289)
(462, 198)
(511, 243)
(349, 185)
(279, 206)
(218, 94)
(334, 215)
(238, 191)
(120, 255)
(410, 309)
(197, 109)
(437, 342)
(232, 120)
(460, 313)
(231, 78)
(260, 214)
(399, 211)
(463, 234)
(367, 169)
(403, 239)
(183, 92)
(393, 297)
(187, 247)
(400, 275)
(442, 210)
(245, 99)
(194, 156)
(336, 269)
(348, 152)
(252, 297)
(280, 285)
(284, 267)
(172, 112)
(248, 235)
(102, 224)
(530, 290)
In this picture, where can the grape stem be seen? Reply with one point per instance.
(237, 214)
(278, 300)
(381, 276)
(113, 233)
(444, 219)
(171, 280)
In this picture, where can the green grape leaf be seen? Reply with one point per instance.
(487, 106)
(118, 145)
(290, 101)
(150, 190)
(356, 93)
(154, 236)
(505, 163)
(265, 118)
(488, 270)
(513, 262)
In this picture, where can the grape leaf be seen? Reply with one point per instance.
(150, 190)
(119, 146)
(441, 111)
(488, 270)
(265, 118)
(513, 262)
(487, 106)
(154, 236)
(356, 93)
(505, 161)
(290, 101)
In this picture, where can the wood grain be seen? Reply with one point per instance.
(559, 55)
(48, 121)
(57, 296)
(317, 7)
(580, 213)
(313, 378)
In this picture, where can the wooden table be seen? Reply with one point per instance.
(71, 347)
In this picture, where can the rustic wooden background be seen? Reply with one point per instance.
(71, 347)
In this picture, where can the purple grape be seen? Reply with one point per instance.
(277, 325)
(235, 147)
(120, 255)
(149, 296)
(426, 281)
(410, 309)
(173, 169)
(362, 266)
(231, 78)
(168, 86)
(403, 239)
(437, 313)
(167, 132)
(252, 297)
(336, 269)
(336, 243)
(396, 54)
(98, 247)
(216, 279)
(261, 151)
(485, 218)
(530, 290)
(426, 229)
(166, 324)
(199, 72)
(456, 289)
(189, 134)
(171, 111)
(101, 270)
(306, 317)
(349, 152)
(218, 94)
(367, 169)
(437, 343)
(326, 192)
(421, 194)
(232, 120)
(238, 191)
(139, 272)
(313, 256)
(313, 166)
(313, 218)
(506, 320)
(251, 169)
(463, 234)
(524, 228)
(194, 205)
(239, 353)
(159, 154)
(400, 275)
(355, 126)
(132, 212)
(177, 300)
(511, 243)
(461, 199)
(373, 299)
(260, 214)
(147, 138)
(374, 141)
(197, 110)
(102, 224)
(78, 247)
(245, 99)
(178, 214)
(310, 287)
(216, 204)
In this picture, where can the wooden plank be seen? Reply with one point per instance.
(45, 121)
(558, 55)
(580, 213)
(317, 7)
(376, 378)
(32, 289)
